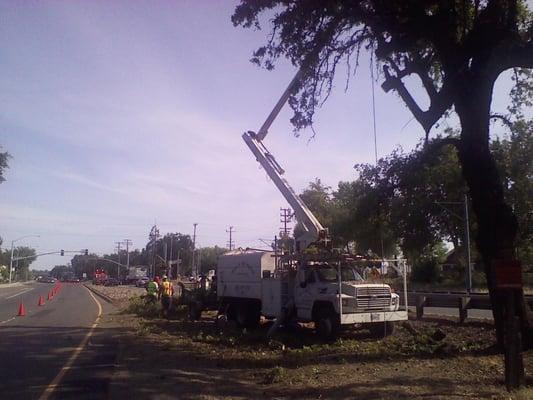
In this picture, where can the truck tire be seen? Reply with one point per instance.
(195, 311)
(221, 322)
(327, 325)
(381, 329)
(231, 311)
(248, 315)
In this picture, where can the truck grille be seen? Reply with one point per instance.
(373, 298)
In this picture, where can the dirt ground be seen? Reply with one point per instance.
(178, 359)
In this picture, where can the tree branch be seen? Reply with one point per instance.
(518, 54)
(440, 101)
(506, 121)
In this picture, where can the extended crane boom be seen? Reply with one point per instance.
(314, 231)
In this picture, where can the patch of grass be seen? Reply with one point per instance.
(139, 306)
(296, 346)
(274, 375)
(523, 394)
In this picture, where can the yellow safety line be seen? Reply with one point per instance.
(53, 385)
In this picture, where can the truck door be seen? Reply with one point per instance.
(305, 292)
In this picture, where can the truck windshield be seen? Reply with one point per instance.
(327, 273)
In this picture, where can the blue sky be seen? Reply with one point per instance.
(121, 114)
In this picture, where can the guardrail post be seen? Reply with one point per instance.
(420, 303)
(464, 302)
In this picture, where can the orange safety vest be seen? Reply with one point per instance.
(167, 288)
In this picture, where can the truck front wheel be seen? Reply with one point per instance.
(248, 315)
(327, 325)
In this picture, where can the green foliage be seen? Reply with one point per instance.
(60, 271)
(403, 199)
(171, 247)
(514, 158)
(4, 156)
(209, 257)
(439, 41)
(426, 270)
(274, 375)
(21, 268)
(140, 307)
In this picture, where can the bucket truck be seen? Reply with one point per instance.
(312, 285)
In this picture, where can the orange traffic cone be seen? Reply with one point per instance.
(22, 310)
(49, 296)
(41, 301)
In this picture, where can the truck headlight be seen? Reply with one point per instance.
(395, 301)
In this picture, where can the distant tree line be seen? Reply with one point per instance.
(172, 253)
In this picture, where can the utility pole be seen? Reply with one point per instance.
(118, 265)
(230, 243)
(170, 259)
(285, 219)
(154, 234)
(128, 242)
(193, 267)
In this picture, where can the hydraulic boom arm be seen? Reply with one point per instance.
(313, 228)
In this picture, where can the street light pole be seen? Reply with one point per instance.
(12, 248)
(467, 235)
(11, 262)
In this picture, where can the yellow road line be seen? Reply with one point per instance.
(55, 383)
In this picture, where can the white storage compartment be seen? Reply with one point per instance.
(240, 272)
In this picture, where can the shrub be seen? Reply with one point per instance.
(426, 271)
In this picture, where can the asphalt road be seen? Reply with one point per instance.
(58, 350)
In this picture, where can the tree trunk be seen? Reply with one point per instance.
(497, 225)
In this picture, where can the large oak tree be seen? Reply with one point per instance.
(457, 49)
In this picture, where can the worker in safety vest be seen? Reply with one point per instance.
(166, 291)
(152, 290)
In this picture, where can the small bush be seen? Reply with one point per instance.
(426, 271)
(139, 306)
(275, 375)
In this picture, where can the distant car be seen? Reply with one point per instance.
(46, 279)
(111, 282)
(142, 282)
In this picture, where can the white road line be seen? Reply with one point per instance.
(18, 294)
(55, 383)
(7, 320)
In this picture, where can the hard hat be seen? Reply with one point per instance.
(165, 277)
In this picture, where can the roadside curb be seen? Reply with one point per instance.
(10, 285)
(103, 296)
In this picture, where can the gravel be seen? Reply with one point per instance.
(119, 294)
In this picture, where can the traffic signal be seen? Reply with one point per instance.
(62, 252)
(86, 252)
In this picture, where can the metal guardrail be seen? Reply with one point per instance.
(462, 301)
